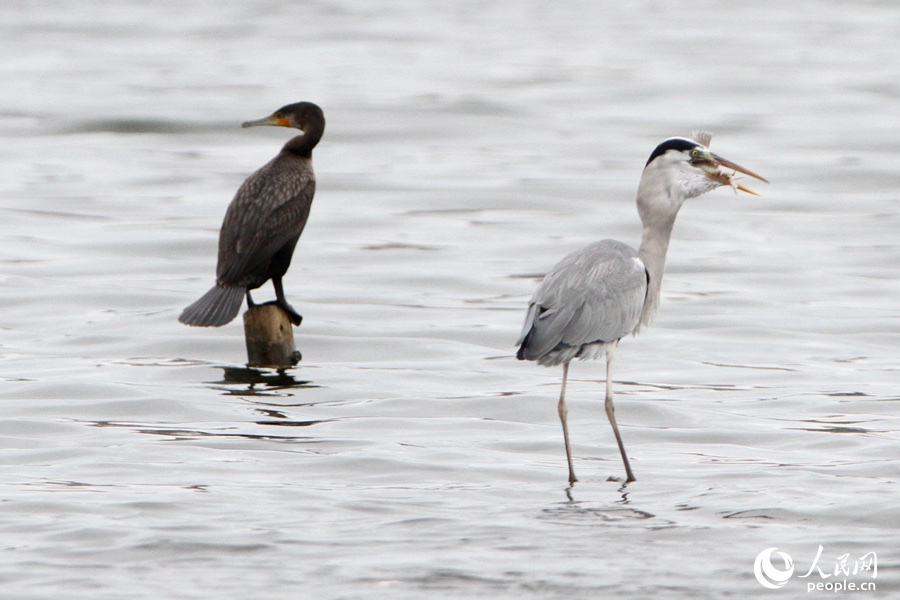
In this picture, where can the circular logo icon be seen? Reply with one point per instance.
(768, 574)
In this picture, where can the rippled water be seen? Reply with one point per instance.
(469, 146)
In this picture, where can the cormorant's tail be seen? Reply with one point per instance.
(218, 306)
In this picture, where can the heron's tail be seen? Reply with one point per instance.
(216, 307)
(523, 346)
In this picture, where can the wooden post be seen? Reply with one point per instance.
(270, 337)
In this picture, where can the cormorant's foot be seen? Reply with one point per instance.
(295, 317)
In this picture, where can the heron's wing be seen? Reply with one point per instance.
(592, 295)
(268, 210)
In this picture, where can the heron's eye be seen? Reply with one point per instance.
(695, 154)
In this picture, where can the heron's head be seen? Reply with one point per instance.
(693, 168)
(301, 115)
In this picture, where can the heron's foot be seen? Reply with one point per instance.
(615, 479)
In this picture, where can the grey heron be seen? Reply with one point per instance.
(597, 295)
(264, 222)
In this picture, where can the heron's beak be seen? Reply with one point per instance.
(277, 121)
(716, 168)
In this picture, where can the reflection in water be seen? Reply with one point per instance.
(579, 513)
(291, 423)
(181, 433)
(236, 381)
(259, 382)
(623, 491)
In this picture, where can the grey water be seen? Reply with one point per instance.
(469, 146)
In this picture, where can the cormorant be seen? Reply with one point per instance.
(264, 222)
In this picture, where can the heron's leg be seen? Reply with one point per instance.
(293, 315)
(611, 410)
(563, 411)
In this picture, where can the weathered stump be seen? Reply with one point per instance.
(270, 337)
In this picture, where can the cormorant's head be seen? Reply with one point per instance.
(300, 115)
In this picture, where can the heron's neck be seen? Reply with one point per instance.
(658, 204)
(654, 245)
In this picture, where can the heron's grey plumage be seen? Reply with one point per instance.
(597, 295)
(592, 297)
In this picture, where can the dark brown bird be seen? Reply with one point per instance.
(264, 222)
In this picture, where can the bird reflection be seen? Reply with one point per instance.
(247, 381)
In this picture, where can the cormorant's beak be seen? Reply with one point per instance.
(716, 168)
(275, 119)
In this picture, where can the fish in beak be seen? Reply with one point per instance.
(724, 171)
